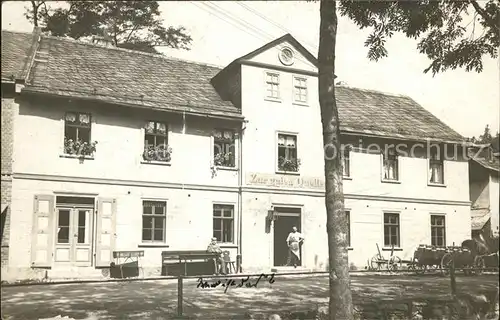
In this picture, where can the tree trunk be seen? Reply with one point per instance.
(340, 306)
(35, 7)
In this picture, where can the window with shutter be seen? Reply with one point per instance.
(42, 240)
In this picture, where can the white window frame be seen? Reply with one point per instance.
(143, 144)
(276, 150)
(295, 86)
(62, 153)
(234, 235)
(382, 169)
(236, 149)
(347, 150)
(429, 176)
(432, 214)
(400, 240)
(266, 82)
(154, 242)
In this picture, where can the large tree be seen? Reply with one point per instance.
(452, 34)
(135, 25)
(486, 137)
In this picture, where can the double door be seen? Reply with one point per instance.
(74, 235)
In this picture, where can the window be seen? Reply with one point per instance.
(287, 153)
(391, 229)
(436, 172)
(224, 222)
(390, 165)
(224, 148)
(300, 89)
(438, 231)
(348, 217)
(156, 142)
(346, 163)
(272, 85)
(153, 221)
(76, 133)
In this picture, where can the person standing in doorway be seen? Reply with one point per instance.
(294, 240)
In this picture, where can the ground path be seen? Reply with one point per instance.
(157, 299)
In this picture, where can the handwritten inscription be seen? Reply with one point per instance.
(271, 180)
(237, 283)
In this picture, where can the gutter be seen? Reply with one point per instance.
(349, 132)
(32, 91)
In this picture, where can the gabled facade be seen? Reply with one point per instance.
(185, 151)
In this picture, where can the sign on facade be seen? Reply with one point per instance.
(282, 181)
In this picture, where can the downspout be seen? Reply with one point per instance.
(240, 194)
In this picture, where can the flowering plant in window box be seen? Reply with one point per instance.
(288, 165)
(224, 159)
(160, 152)
(79, 147)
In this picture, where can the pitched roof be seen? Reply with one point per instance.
(493, 165)
(479, 217)
(15, 54)
(397, 116)
(286, 38)
(72, 68)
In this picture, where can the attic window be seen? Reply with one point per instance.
(286, 56)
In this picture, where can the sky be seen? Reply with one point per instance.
(466, 101)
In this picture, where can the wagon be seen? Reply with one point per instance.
(378, 262)
(426, 258)
(462, 258)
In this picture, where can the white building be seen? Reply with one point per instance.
(69, 213)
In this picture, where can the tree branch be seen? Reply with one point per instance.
(35, 6)
(486, 17)
(131, 31)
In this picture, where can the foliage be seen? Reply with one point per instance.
(79, 147)
(452, 34)
(486, 137)
(134, 25)
(288, 165)
(224, 159)
(161, 152)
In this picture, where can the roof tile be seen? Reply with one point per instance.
(15, 51)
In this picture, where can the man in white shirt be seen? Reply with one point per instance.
(294, 240)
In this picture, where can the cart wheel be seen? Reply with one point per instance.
(420, 268)
(375, 263)
(394, 264)
(478, 265)
(446, 262)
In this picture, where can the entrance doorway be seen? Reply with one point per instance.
(285, 220)
(74, 231)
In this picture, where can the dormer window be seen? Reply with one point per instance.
(272, 85)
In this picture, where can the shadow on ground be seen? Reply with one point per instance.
(158, 299)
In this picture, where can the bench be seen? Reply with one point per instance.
(191, 255)
(128, 256)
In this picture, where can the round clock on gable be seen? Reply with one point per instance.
(286, 56)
